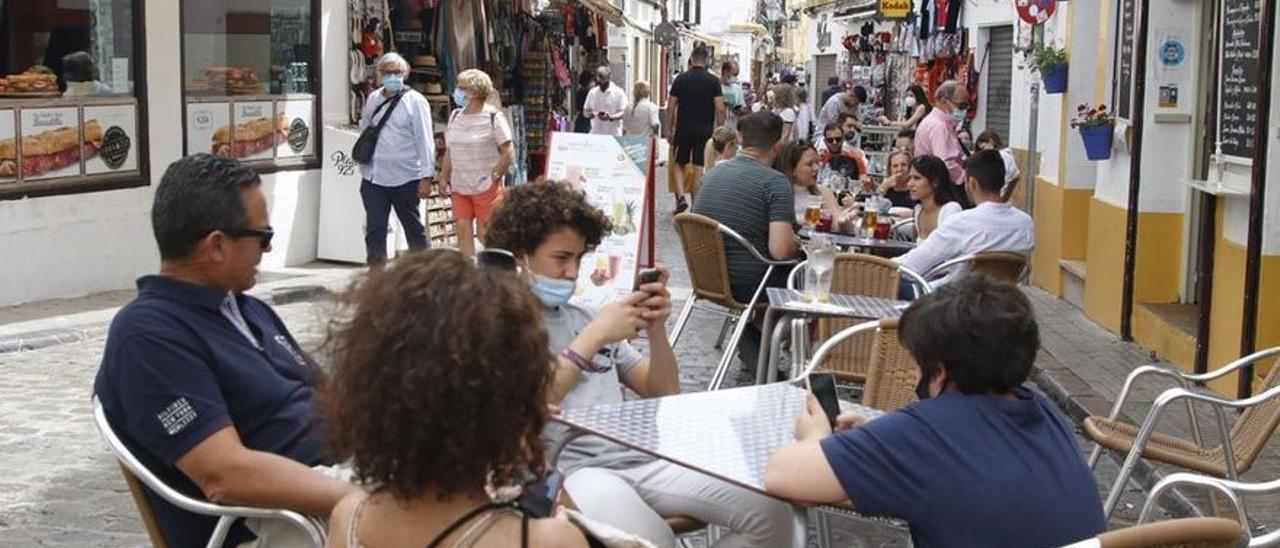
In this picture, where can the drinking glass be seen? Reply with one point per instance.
(869, 218)
(821, 253)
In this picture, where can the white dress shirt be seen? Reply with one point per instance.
(406, 149)
(991, 226)
(612, 101)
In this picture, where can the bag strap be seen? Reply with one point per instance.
(393, 101)
(524, 522)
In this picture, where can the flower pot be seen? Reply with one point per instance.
(1054, 78)
(1097, 141)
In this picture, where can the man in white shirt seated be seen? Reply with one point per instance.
(992, 225)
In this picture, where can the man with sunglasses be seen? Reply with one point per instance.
(204, 384)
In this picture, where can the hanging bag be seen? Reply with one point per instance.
(362, 151)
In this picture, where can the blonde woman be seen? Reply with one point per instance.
(478, 153)
(641, 117)
(724, 143)
(784, 105)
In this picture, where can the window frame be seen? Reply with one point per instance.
(1118, 62)
(277, 165)
(85, 184)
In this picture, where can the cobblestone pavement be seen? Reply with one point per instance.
(61, 487)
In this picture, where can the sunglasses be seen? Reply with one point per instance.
(833, 140)
(263, 235)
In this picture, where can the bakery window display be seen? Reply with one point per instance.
(36, 81)
(250, 138)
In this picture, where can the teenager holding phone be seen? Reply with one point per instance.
(549, 227)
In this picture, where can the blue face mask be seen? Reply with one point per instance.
(553, 292)
(393, 82)
(958, 115)
(459, 97)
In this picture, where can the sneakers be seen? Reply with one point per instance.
(682, 205)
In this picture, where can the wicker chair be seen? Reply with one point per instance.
(892, 373)
(1004, 265)
(1177, 533)
(136, 475)
(1230, 489)
(703, 241)
(1239, 447)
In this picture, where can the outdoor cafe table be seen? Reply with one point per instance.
(791, 302)
(882, 248)
(726, 434)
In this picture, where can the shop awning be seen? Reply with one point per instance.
(611, 13)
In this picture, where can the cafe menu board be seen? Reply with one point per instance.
(8, 146)
(1238, 97)
(256, 132)
(204, 120)
(51, 139)
(1122, 94)
(299, 139)
(611, 170)
(116, 146)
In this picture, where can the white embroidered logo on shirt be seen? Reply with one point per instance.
(177, 416)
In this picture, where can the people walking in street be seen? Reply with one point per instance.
(642, 116)
(696, 107)
(479, 151)
(581, 122)
(956, 465)
(551, 227)
(431, 411)
(205, 384)
(784, 105)
(804, 116)
(937, 134)
(844, 102)
(734, 97)
(404, 161)
(605, 105)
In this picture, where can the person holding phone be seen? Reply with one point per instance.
(980, 460)
(549, 227)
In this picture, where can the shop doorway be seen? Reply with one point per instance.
(999, 80)
(824, 67)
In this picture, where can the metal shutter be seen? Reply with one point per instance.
(1000, 80)
(825, 67)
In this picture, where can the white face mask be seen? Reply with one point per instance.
(911, 101)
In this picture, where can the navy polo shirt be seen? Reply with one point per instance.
(175, 370)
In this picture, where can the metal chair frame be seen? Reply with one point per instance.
(896, 234)
(946, 267)
(227, 515)
(726, 358)
(1228, 488)
(1183, 392)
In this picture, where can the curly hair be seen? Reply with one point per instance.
(529, 213)
(421, 398)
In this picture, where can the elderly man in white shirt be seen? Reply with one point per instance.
(605, 105)
(992, 225)
(404, 162)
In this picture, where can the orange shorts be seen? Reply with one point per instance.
(475, 206)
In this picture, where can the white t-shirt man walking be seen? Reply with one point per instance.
(605, 105)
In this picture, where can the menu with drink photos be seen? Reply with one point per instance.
(613, 173)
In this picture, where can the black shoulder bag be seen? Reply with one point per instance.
(362, 152)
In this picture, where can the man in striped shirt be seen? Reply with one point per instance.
(756, 201)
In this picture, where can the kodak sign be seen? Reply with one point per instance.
(895, 9)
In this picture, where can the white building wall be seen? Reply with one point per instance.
(66, 246)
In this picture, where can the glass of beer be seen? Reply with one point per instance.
(869, 218)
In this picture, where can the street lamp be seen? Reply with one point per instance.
(793, 22)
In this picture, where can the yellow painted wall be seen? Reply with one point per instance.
(1228, 307)
(1062, 232)
(1159, 254)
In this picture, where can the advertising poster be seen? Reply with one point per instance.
(299, 138)
(51, 139)
(8, 146)
(258, 130)
(612, 172)
(204, 120)
(115, 149)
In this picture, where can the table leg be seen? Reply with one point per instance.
(766, 345)
(800, 534)
(775, 345)
(799, 346)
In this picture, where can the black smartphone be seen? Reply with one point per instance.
(647, 276)
(823, 387)
(537, 498)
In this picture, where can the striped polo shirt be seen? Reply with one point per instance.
(746, 195)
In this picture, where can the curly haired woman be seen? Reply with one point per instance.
(433, 413)
(550, 227)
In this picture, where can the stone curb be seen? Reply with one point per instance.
(45, 338)
(1073, 397)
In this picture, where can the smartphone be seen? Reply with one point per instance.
(823, 387)
(537, 497)
(647, 276)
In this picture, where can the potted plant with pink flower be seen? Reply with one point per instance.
(1095, 124)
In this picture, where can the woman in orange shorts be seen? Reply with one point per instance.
(479, 151)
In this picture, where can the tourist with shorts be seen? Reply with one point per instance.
(695, 109)
(478, 155)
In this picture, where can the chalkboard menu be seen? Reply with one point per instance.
(1238, 103)
(1122, 94)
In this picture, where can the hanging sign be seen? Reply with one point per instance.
(895, 9)
(1035, 11)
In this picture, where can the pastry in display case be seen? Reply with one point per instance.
(233, 80)
(36, 81)
(251, 137)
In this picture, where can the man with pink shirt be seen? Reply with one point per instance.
(937, 132)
